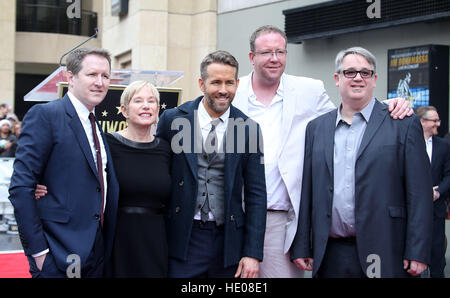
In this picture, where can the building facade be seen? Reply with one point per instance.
(155, 35)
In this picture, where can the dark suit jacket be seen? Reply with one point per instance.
(54, 151)
(244, 231)
(393, 192)
(440, 170)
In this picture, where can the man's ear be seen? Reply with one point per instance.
(201, 84)
(251, 56)
(336, 79)
(69, 76)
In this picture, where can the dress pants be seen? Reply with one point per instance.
(92, 268)
(205, 254)
(341, 260)
(438, 248)
(276, 263)
(95, 262)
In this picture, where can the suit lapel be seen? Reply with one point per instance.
(231, 158)
(434, 152)
(376, 118)
(191, 116)
(80, 134)
(328, 137)
(288, 111)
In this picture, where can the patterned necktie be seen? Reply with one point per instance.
(99, 164)
(211, 148)
(211, 143)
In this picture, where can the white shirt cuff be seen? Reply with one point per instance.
(41, 253)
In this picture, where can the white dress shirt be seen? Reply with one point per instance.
(83, 114)
(429, 144)
(270, 120)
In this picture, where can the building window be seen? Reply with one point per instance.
(51, 16)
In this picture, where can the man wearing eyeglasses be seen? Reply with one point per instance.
(439, 154)
(366, 206)
(283, 105)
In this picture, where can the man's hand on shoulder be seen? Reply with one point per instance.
(399, 108)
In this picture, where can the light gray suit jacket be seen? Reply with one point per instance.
(304, 99)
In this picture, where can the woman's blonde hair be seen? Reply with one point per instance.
(134, 87)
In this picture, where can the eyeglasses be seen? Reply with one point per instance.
(365, 73)
(267, 54)
(437, 121)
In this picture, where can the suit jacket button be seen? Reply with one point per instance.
(331, 189)
(181, 183)
(177, 210)
(99, 189)
(232, 217)
(96, 216)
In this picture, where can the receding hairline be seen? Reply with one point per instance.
(263, 30)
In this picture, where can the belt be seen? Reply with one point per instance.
(344, 239)
(207, 224)
(140, 210)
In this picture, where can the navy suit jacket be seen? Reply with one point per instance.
(244, 185)
(440, 170)
(54, 151)
(393, 193)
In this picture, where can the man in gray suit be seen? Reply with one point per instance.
(367, 191)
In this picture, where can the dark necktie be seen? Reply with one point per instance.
(211, 149)
(99, 163)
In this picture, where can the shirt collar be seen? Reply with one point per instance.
(82, 111)
(251, 95)
(365, 113)
(205, 119)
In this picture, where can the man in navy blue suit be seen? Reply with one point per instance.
(439, 154)
(68, 232)
(217, 210)
(366, 203)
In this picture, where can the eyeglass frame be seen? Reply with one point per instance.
(277, 53)
(436, 121)
(356, 73)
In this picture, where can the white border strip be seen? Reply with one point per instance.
(11, 251)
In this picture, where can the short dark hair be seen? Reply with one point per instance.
(423, 110)
(75, 58)
(222, 57)
(264, 30)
